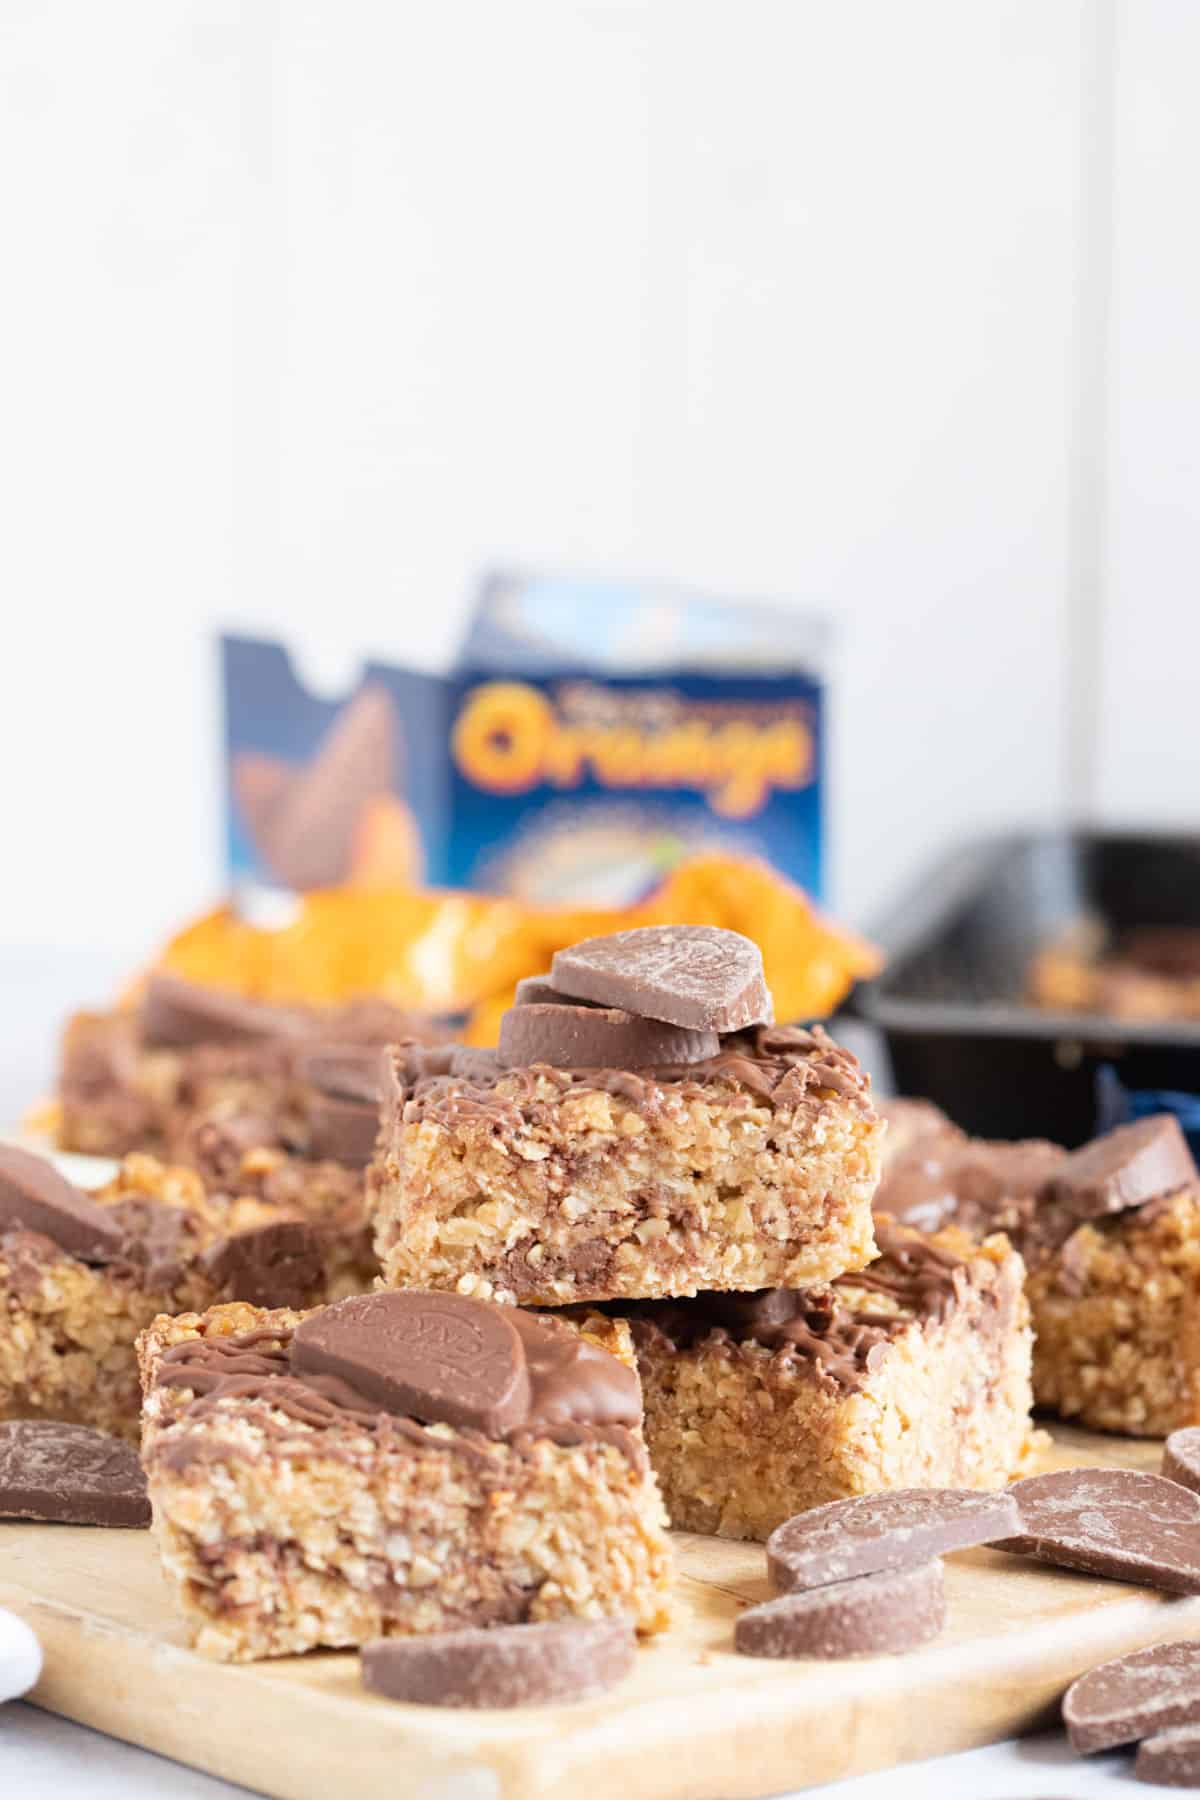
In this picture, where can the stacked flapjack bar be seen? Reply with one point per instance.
(911, 1373)
(199, 1076)
(1111, 1237)
(646, 1139)
(82, 1274)
(395, 1464)
(642, 1130)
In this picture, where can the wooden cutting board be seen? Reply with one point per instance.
(694, 1722)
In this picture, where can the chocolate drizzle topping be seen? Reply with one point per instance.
(1037, 1192)
(830, 1329)
(579, 1393)
(779, 1066)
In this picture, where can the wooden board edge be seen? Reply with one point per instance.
(161, 1696)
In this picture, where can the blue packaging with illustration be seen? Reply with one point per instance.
(590, 736)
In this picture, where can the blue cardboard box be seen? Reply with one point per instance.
(590, 736)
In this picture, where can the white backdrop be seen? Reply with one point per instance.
(310, 310)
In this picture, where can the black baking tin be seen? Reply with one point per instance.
(950, 1000)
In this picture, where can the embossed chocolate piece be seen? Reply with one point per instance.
(34, 1195)
(1113, 1522)
(69, 1475)
(873, 1532)
(175, 1014)
(1124, 1169)
(434, 1357)
(1133, 1697)
(276, 1264)
(1181, 1458)
(508, 1665)
(583, 1037)
(576, 1389)
(695, 976)
(875, 1615)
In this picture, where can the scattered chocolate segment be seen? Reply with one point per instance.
(435, 1357)
(176, 1014)
(1117, 1523)
(874, 1532)
(34, 1195)
(1133, 1697)
(1170, 1760)
(69, 1475)
(504, 1666)
(695, 976)
(580, 1037)
(1124, 1169)
(1181, 1458)
(874, 1615)
(276, 1264)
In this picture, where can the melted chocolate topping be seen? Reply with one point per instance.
(844, 1341)
(781, 1066)
(578, 1392)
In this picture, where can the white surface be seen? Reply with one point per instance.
(322, 306)
(20, 1656)
(1149, 741)
(46, 1758)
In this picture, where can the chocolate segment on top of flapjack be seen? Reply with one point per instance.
(581, 1037)
(829, 1328)
(424, 1358)
(429, 1356)
(780, 1066)
(1035, 1191)
(177, 1014)
(344, 1086)
(977, 1185)
(696, 976)
(1124, 1169)
(539, 990)
(278, 1263)
(35, 1197)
